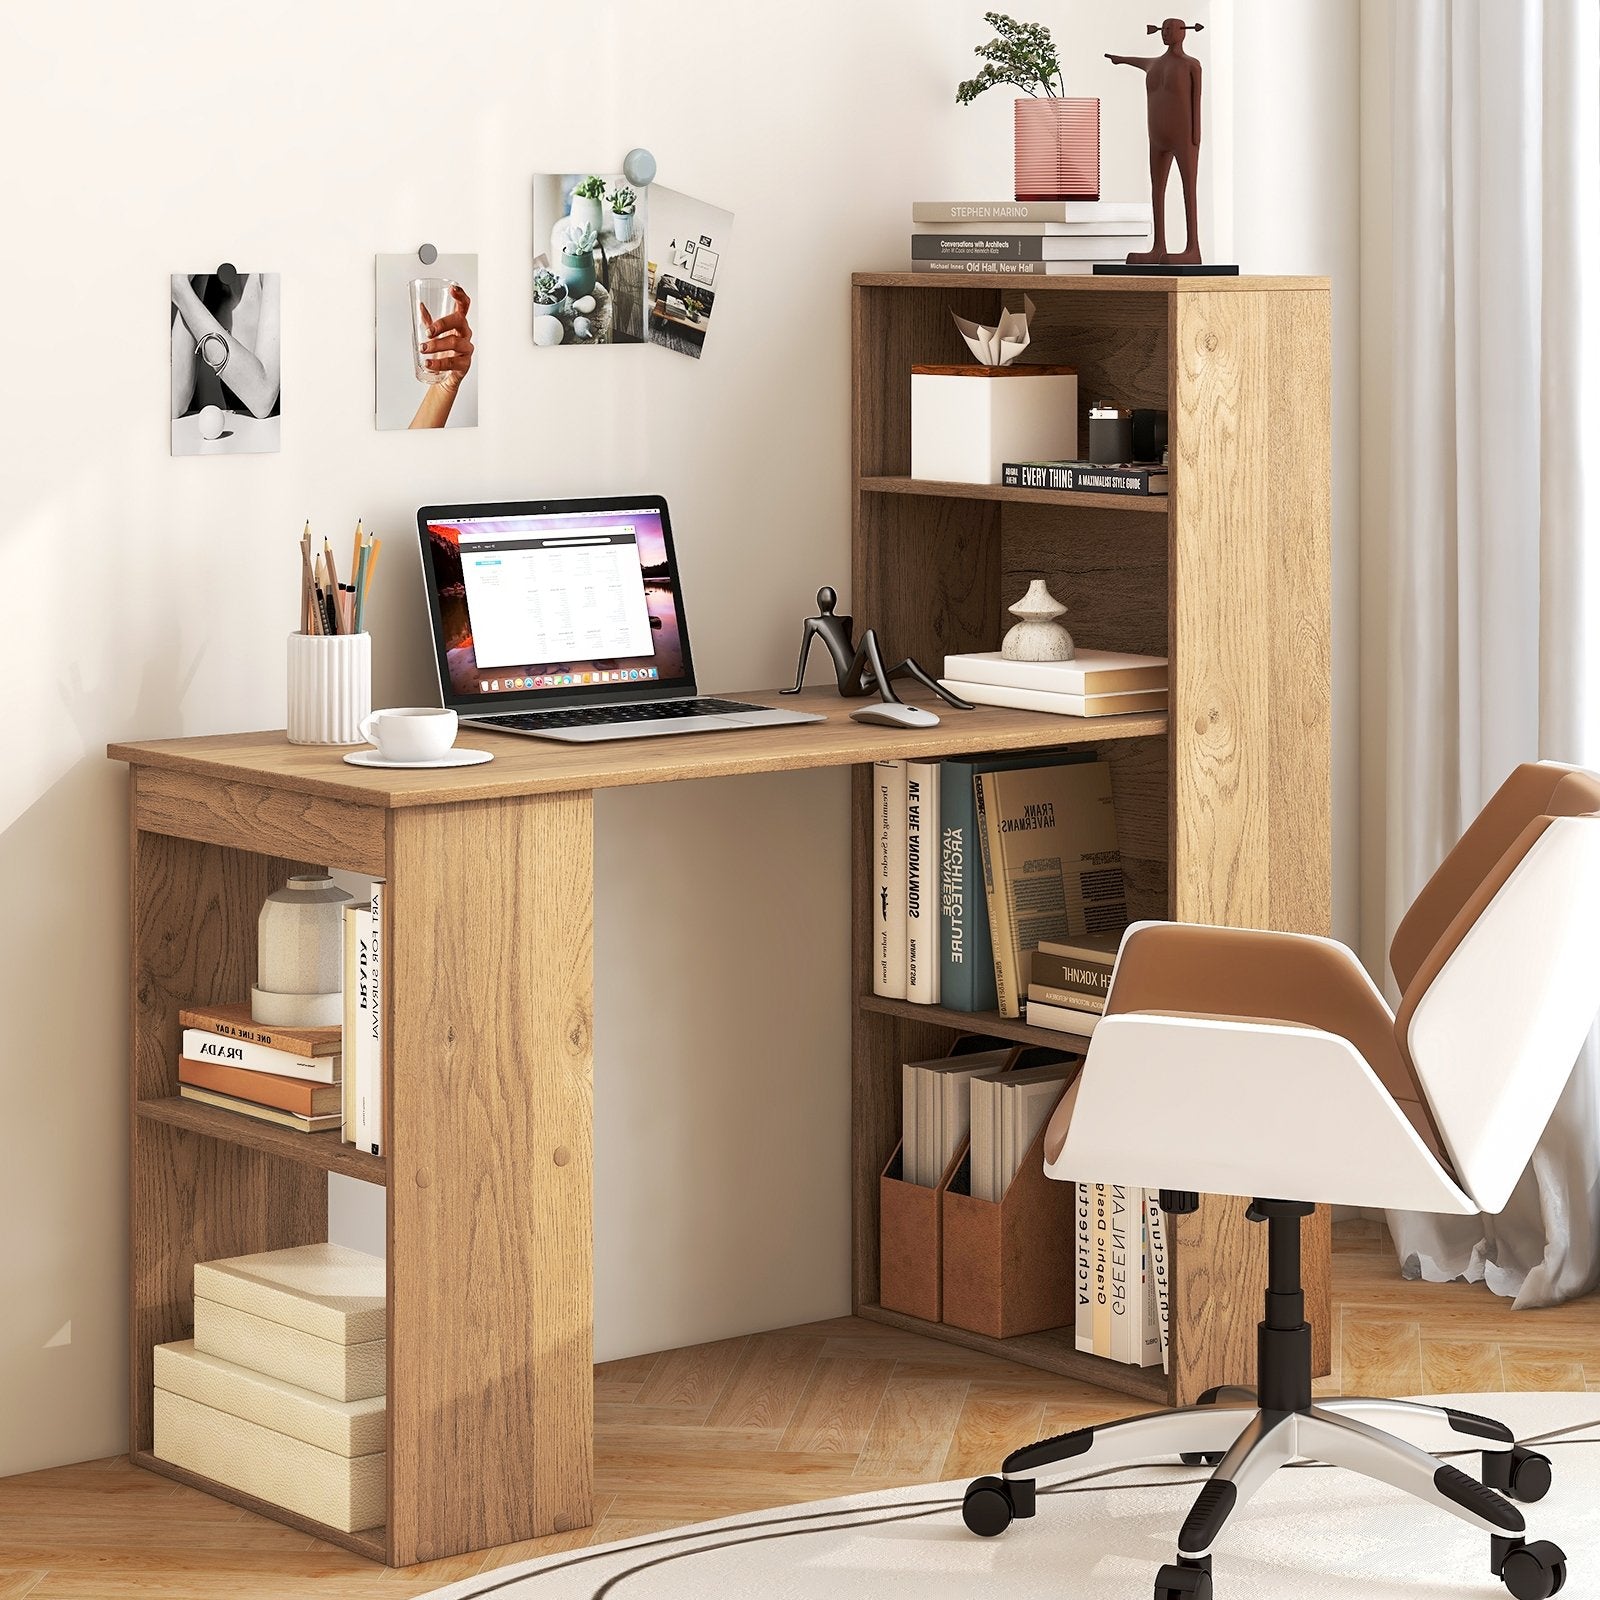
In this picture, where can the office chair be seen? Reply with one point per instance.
(1247, 1063)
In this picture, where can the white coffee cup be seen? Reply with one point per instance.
(410, 733)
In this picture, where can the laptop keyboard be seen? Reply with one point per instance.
(609, 716)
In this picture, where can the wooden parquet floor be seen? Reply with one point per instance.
(742, 1424)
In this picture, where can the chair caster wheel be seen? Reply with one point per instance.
(1201, 1458)
(986, 1508)
(1535, 1571)
(1518, 1473)
(1183, 1583)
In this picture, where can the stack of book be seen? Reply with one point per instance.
(977, 860)
(936, 1110)
(281, 1391)
(287, 1076)
(1095, 683)
(1025, 237)
(1122, 1275)
(1068, 981)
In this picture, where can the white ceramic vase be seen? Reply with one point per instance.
(622, 225)
(1037, 635)
(585, 209)
(299, 946)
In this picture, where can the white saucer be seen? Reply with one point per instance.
(456, 758)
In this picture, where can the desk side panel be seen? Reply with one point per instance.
(490, 1095)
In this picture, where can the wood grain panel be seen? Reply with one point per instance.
(320, 1150)
(1250, 614)
(1079, 500)
(490, 1099)
(192, 921)
(536, 766)
(926, 575)
(1043, 286)
(250, 816)
(1109, 571)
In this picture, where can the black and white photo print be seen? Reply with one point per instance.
(226, 350)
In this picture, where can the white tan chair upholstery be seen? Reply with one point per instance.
(1268, 1065)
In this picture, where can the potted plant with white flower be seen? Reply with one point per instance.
(1056, 135)
(624, 203)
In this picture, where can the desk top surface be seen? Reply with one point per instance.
(539, 766)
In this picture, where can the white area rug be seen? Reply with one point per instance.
(1312, 1532)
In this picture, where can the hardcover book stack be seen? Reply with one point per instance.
(280, 1393)
(980, 861)
(1095, 683)
(1026, 238)
(288, 1076)
(1122, 1275)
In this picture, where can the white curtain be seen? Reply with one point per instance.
(1494, 634)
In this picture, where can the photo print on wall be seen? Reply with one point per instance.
(688, 244)
(425, 358)
(588, 264)
(226, 349)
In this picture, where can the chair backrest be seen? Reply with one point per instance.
(1499, 959)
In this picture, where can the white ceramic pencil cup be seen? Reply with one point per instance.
(330, 687)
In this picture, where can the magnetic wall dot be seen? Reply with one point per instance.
(228, 276)
(639, 167)
(427, 254)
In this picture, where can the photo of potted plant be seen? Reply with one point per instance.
(1057, 136)
(577, 257)
(586, 198)
(549, 293)
(623, 202)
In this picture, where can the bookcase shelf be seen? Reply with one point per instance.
(1054, 1350)
(990, 1022)
(1147, 504)
(1224, 809)
(373, 1543)
(310, 1149)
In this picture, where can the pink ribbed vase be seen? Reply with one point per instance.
(1057, 149)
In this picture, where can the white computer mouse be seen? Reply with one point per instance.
(892, 714)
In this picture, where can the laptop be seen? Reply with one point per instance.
(563, 619)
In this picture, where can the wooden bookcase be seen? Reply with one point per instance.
(1223, 804)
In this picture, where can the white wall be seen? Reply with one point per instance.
(150, 596)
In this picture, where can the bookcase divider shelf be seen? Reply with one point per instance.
(1224, 809)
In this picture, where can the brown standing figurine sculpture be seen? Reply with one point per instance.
(1172, 87)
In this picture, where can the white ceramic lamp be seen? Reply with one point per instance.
(300, 940)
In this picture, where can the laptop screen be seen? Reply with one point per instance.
(535, 603)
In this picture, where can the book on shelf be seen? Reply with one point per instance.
(1079, 1020)
(1100, 1202)
(922, 877)
(936, 1110)
(327, 1123)
(1008, 1110)
(889, 879)
(1052, 868)
(369, 1029)
(1015, 269)
(992, 212)
(235, 1022)
(1061, 705)
(1155, 1233)
(1077, 972)
(293, 1095)
(996, 246)
(1090, 672)
(1085, 228)
(1083, 1268)
(350, 971)
(1045, 994)
(1087, 477)
(966, 958)
(228, 1050)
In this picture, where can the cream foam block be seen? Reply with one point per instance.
(346, 1492)
(346, 1427)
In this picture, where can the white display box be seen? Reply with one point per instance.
(967, 422)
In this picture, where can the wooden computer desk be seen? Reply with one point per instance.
(1224, 816)
(490, 1026)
